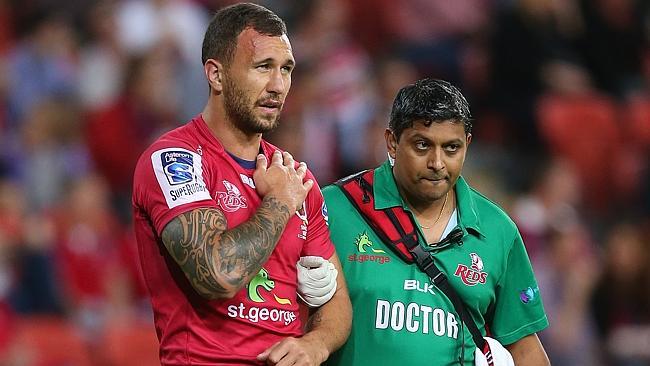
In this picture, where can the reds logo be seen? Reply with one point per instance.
(231, 200)
(302, 215)
(477, 262)
(474, 273)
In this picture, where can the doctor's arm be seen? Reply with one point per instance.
(327, 329)
(528, 351)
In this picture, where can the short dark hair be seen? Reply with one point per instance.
(221, 36)
(431, 100)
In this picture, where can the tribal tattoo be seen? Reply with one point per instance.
(218, 261)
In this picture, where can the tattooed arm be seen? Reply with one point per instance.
(219, 261)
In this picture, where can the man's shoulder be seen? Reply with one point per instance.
(484, 202)
(488, 210)
(332, 192)
(336, 200)
(174, 145)
(179, 137)
(269, 149)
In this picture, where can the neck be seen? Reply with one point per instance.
(422, 208)
(435, 213)
(234, 140)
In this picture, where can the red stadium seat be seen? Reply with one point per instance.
(638, 112)
(587, 131)
(637, 141)
(49, 341)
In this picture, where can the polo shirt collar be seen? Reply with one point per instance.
(385, 188)
(468, 212)
(387, 195)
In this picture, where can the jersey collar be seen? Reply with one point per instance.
(387, 195)
(203, 129)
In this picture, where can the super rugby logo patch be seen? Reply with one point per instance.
(231, 200)
(474, 273)
(178, 167)
(179, 173)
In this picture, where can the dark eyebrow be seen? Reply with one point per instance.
(419, 136)
(454, 141)
(270, 60)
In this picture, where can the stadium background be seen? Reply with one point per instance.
(560, 92)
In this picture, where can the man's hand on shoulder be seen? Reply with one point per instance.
(282, 180)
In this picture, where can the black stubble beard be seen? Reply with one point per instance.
(241, 116)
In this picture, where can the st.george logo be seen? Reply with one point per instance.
(364, 246)
(259, 282)
(363, 241)
(261, 308)
(262, 281)
(178, 167)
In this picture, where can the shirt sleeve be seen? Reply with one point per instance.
(318, 236)
(168, 181)
(518, 310)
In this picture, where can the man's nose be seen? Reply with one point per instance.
(435, 160)
(277, 83)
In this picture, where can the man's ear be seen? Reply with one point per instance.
(468, 138)
(214, 73)
(391, 142)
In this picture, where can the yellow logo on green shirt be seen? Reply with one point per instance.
(365, 245)
(362, 241)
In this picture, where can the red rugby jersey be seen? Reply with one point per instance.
(188, 168)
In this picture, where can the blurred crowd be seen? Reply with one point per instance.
(559, 89)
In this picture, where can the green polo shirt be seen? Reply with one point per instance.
(400, 318)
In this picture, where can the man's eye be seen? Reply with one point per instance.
(287, 69)
(263, 67)
(452, 148)
(421, 145)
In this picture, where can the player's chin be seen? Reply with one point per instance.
(433, 193)
(265, 125)
(439, 186)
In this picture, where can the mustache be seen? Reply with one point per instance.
(274, 99)
(434, 177)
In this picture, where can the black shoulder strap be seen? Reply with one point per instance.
(396, 228)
